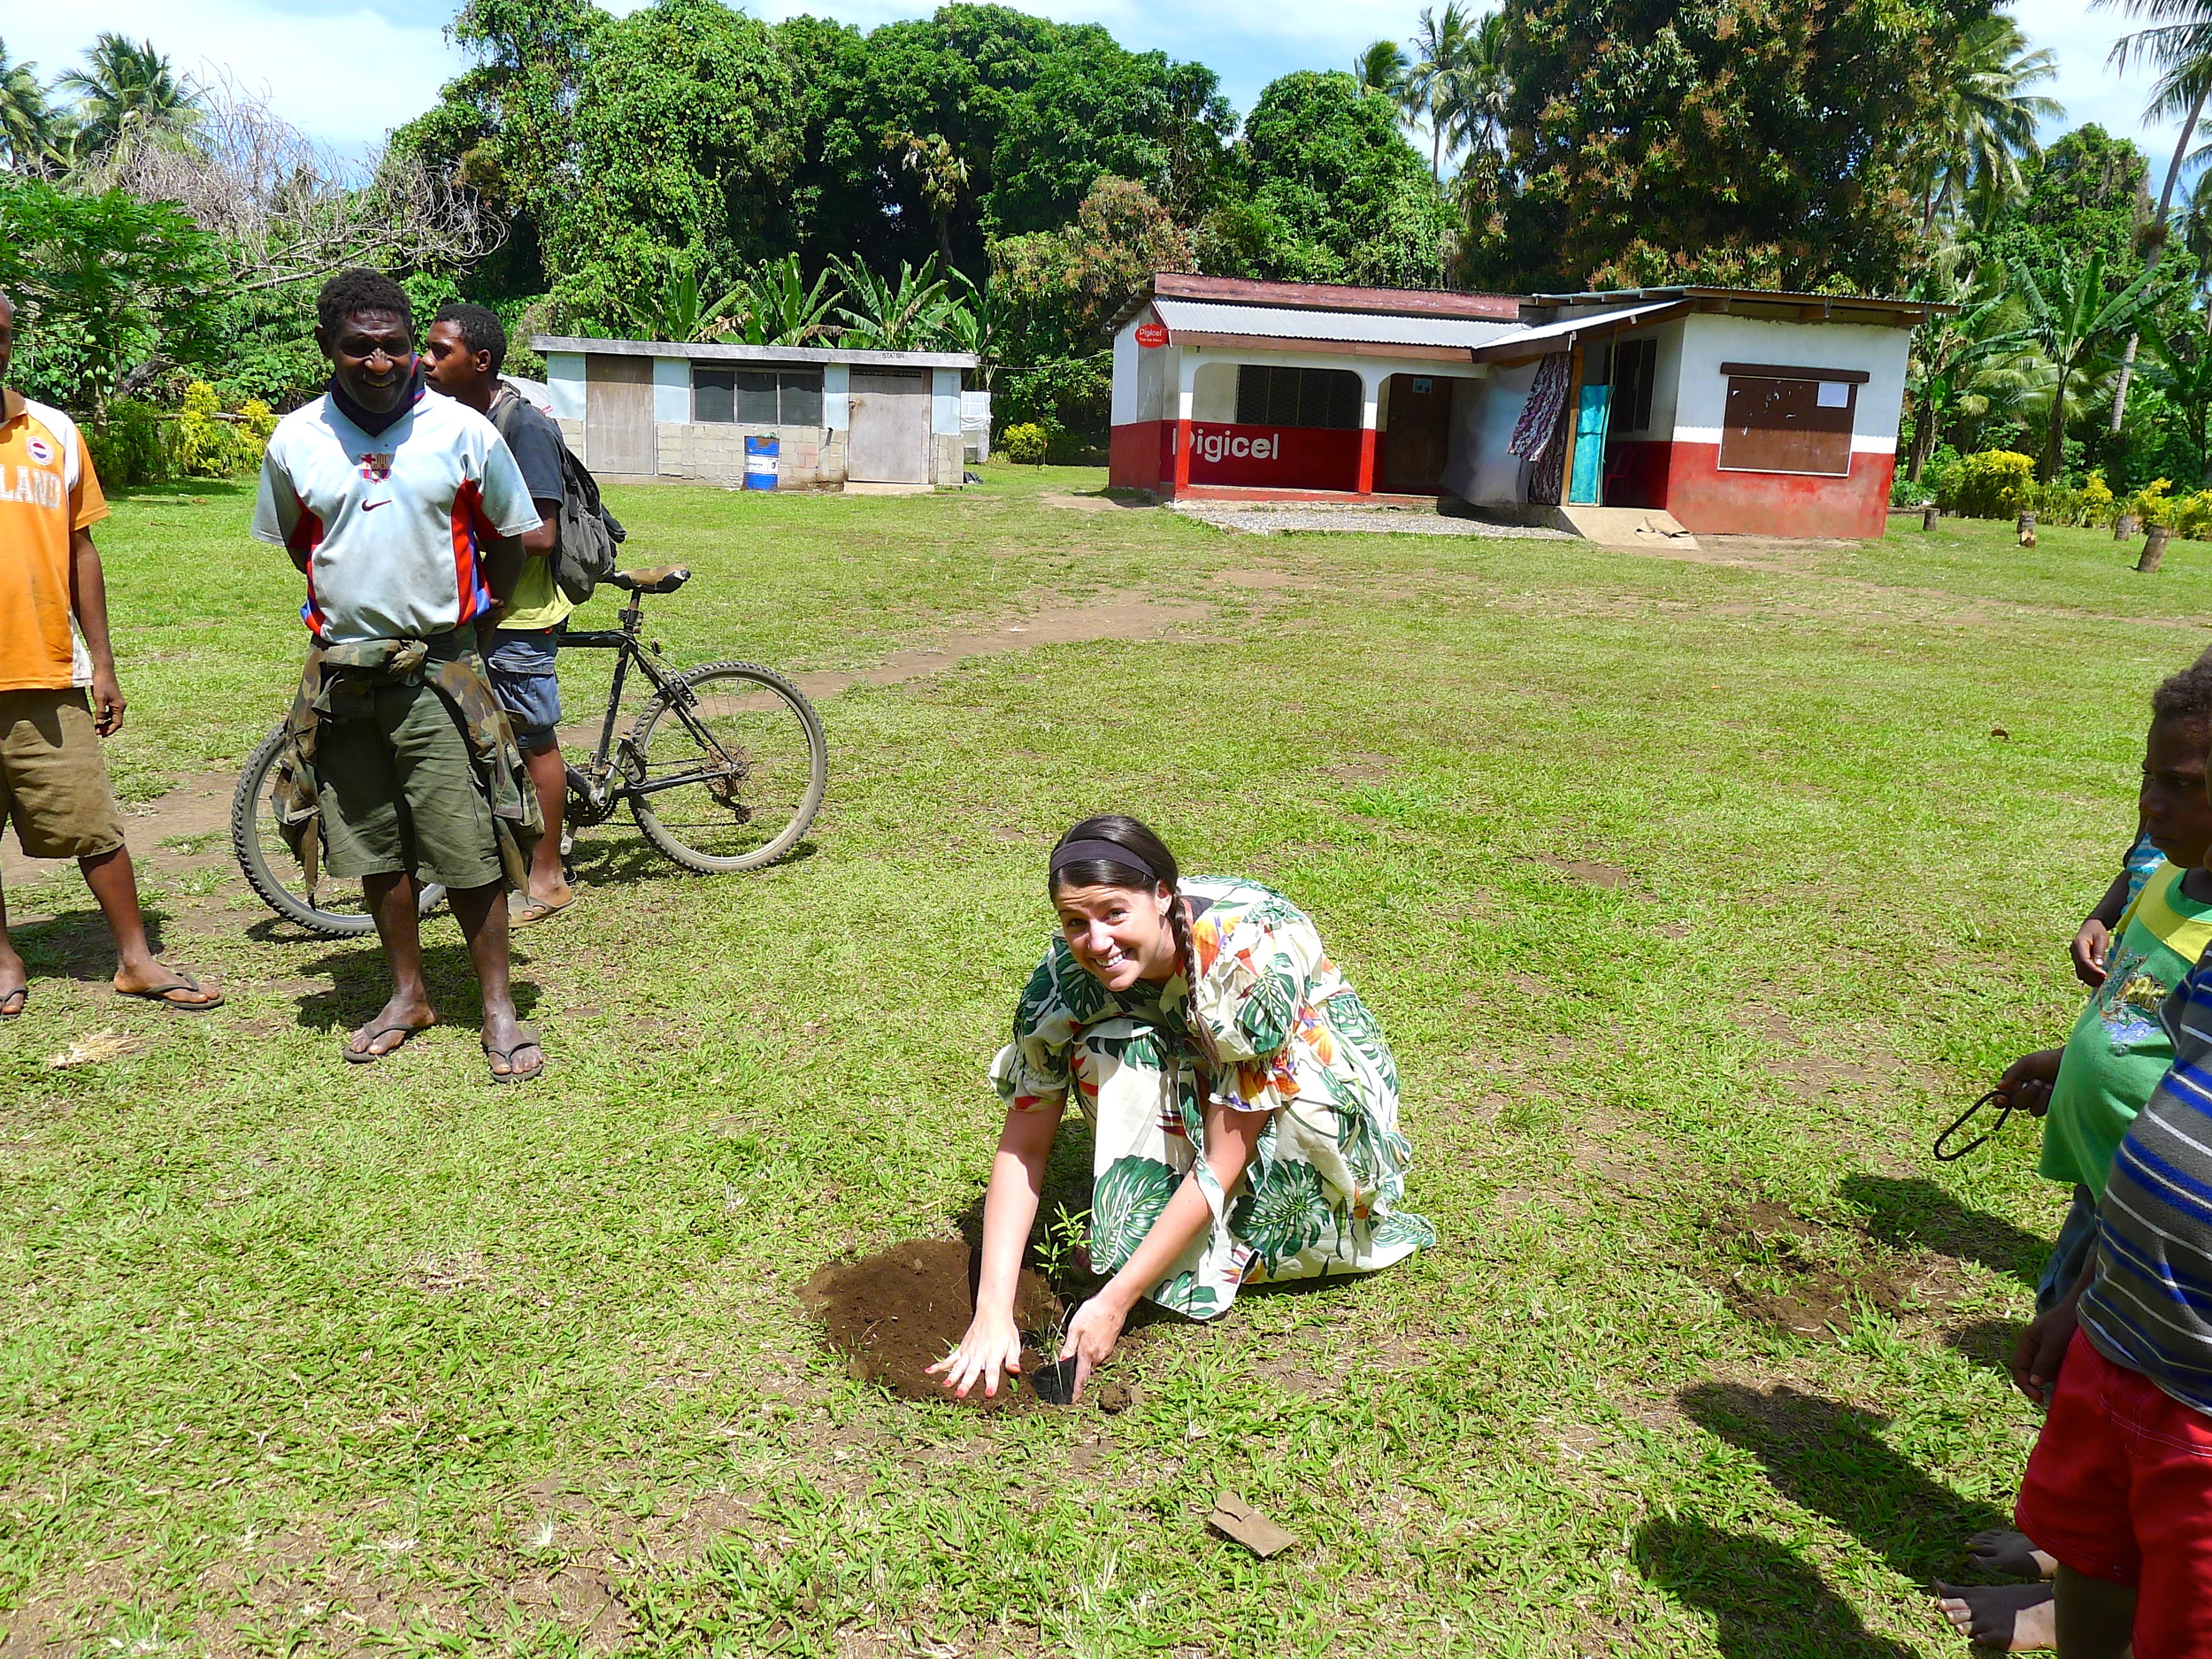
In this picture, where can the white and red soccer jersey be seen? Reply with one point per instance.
(393, 526)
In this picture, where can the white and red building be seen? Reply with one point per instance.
(1727, 410)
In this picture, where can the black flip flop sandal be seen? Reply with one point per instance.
(527, 1038)
(187, 982)
(13, 1002)
(370, 1057)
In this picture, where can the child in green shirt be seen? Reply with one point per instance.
(2089, 1092)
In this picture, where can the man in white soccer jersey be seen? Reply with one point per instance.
(389, 499)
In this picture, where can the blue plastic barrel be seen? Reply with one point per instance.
(760, 463)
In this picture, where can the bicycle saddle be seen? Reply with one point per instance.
(661, 578)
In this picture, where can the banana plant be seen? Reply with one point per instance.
(2076, 326)
(884, 315)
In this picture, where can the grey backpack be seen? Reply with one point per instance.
(584, 548)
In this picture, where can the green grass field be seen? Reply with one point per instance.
(1695, 895)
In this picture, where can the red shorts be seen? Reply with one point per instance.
(2120, 1488)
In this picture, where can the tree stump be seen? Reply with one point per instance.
(1928, 516)
(2154, 549)
(2124, 526)
(2023, 529)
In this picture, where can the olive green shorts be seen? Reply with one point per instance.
(399, 793)
(53, 781)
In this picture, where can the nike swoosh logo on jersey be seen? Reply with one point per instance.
(381, 500)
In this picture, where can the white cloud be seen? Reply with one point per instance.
(346, 74)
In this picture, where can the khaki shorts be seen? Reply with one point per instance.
(53, 780)
(399, 793)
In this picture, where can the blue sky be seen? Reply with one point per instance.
(393, 58)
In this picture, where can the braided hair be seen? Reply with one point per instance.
(1149, 853)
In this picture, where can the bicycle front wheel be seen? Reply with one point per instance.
(321, 902)
(734, 762)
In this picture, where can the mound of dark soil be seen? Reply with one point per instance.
(897, 1313)
(1807, 1278)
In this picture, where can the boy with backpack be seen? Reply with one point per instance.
(466, 347)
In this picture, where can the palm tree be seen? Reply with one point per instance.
(128, 95)
(2073, 328)
(1989, 115)
(26, 119)
(2178, 45)
(1479, 92)
(1381, 70)
(1951, 370)
(1434, 88)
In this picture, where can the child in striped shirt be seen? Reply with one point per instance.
(2119, 1489)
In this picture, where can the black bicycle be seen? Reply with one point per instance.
(723, 769)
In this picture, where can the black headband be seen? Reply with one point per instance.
(1110, 852)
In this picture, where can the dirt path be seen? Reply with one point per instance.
(185, 832)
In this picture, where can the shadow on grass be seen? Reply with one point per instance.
(1986, 1343)
(1831, 1458)
(1917, 1214)
(76, 944)
(1767, 1602)
(361, 984)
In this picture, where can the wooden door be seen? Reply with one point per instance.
(887, 441)
(1420, 432)
(618, 434)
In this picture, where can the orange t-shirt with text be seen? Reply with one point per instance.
(48, 491)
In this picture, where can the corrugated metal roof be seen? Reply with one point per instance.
(1202, 318)
(1515, 341)
(718, 352)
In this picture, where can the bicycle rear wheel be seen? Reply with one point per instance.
(328, 905)
(752, 761)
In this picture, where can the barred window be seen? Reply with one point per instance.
(1271, 396)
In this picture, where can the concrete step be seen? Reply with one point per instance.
(1626, 526)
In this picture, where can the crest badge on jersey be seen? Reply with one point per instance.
(39, 449)
(377, 468)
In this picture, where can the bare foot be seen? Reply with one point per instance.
(2009, 1555)
(394, 1023)
(158, 982)
(2011, 1618)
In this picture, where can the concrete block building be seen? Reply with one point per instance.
(1715, 409)
(645, 409)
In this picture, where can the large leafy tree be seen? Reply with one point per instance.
(1031, 112)
(114, 290)
(1335, 193)
(1059, 288)
(1654, 141)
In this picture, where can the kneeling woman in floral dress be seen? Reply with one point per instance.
(1243, 1102)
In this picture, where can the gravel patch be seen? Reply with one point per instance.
(1382, 520)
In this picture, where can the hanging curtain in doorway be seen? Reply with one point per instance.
(1545, 478)
(1539, 416)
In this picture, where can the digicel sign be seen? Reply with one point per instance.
(1287, 457)
(1152, 334)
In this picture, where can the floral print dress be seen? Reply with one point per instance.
(1323, 1193)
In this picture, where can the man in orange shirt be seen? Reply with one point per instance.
(53, 782)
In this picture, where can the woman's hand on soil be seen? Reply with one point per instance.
(993, 1344)
(2090, 946)
(1091, 1337)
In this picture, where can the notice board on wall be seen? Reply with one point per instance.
(1789, 420)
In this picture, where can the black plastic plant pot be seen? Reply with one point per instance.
(1054, 1384)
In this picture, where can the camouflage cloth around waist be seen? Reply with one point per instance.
(340, 682)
